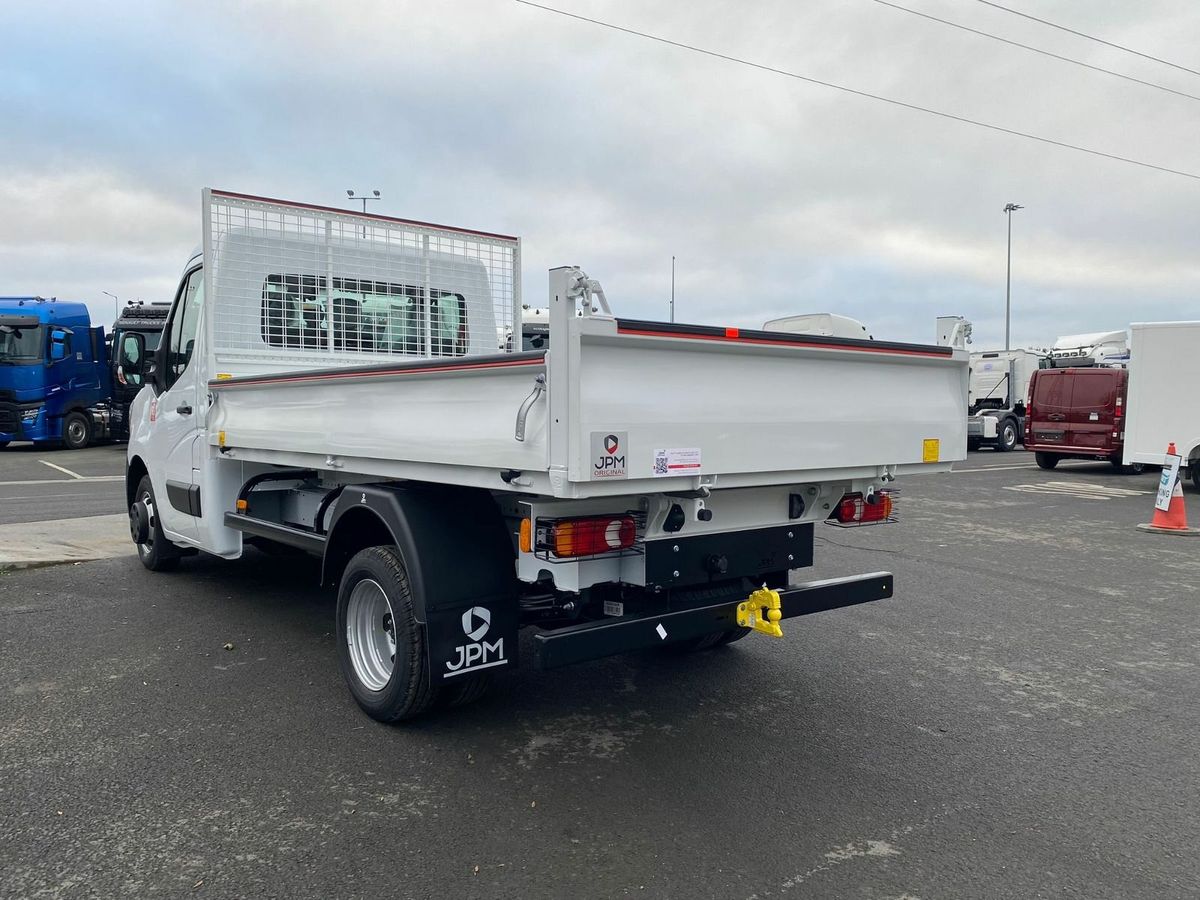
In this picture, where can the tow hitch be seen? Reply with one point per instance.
(766, 602)
(604, 637)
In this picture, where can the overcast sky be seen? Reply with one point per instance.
(612, 152)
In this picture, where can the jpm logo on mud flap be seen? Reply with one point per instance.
(608, 454)
(477, 653)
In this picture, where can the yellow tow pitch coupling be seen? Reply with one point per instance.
(762, 611)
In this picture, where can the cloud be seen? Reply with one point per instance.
(614, 153)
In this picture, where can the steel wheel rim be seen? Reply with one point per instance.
(371, 634)
(148, 546)
(75, 431)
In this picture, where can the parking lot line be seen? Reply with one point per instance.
(82, 479)
(60, 469)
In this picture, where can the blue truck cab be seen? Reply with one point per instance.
(55, 380)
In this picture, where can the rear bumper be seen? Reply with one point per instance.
(1075, 452)
(608, 637)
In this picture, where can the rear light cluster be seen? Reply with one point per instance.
(576, 537)
(855, 509)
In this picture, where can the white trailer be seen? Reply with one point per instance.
(330, 381)
(1163, 394)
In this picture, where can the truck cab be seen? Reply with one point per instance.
(54, 378)
(996, 392)
(147, 320)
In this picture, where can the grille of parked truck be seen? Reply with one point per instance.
(330, 381)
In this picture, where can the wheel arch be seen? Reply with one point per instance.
(454, 542)
(135, 471)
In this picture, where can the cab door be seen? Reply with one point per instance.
(178, 414)
(1051, 401)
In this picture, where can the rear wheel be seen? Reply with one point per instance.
(154, 550)
(1131, 469)
(77, 431)
(1006, 440)
(706, 641)
(1046, 460)
(382, 646)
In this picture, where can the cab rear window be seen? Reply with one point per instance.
(358, 315)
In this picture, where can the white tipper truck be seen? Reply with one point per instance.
(331, 381)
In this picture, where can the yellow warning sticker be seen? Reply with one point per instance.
(931, 450)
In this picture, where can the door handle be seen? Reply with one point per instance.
(1056, 417)
(183, 409)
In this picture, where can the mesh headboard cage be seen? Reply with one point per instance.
(292, 286)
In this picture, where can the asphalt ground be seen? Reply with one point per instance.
(1020, 721)
(34, 486)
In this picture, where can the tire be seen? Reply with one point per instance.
(157, 554)
(374, 615)
(1194, 467)
(77, 431)
(1006, 439)
(1046, 460)
(709, 641)
(1131, 469)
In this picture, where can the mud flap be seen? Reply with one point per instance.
(473, 638)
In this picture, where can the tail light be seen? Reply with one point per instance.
(854, 509)
(591, 536)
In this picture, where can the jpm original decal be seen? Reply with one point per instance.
(608, 454)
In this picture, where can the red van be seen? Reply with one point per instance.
(1077, 413)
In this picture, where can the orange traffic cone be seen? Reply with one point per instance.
(1172, 520)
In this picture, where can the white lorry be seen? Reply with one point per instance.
(330, 381)
(1099, 348)
(1163, 399)
(996, 389)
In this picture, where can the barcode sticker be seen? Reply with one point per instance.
(676, 461)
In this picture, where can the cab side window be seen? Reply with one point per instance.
(184, 321)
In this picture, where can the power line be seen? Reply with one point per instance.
(858, 93)
(1067, 59)
(1017, 12)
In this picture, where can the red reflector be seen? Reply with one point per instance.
(592, 536)
(731, 332)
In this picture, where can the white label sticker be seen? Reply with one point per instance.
(662, 632)
(677, 461)
(614, 608)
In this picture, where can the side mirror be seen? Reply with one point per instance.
(131, 359)
(58, 345)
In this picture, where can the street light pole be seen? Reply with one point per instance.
(364, 200)
(116, 306)
(1009, 209)
(672, 288)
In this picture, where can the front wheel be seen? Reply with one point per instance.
(77, 431)
(154, 550)
(1046, 460)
